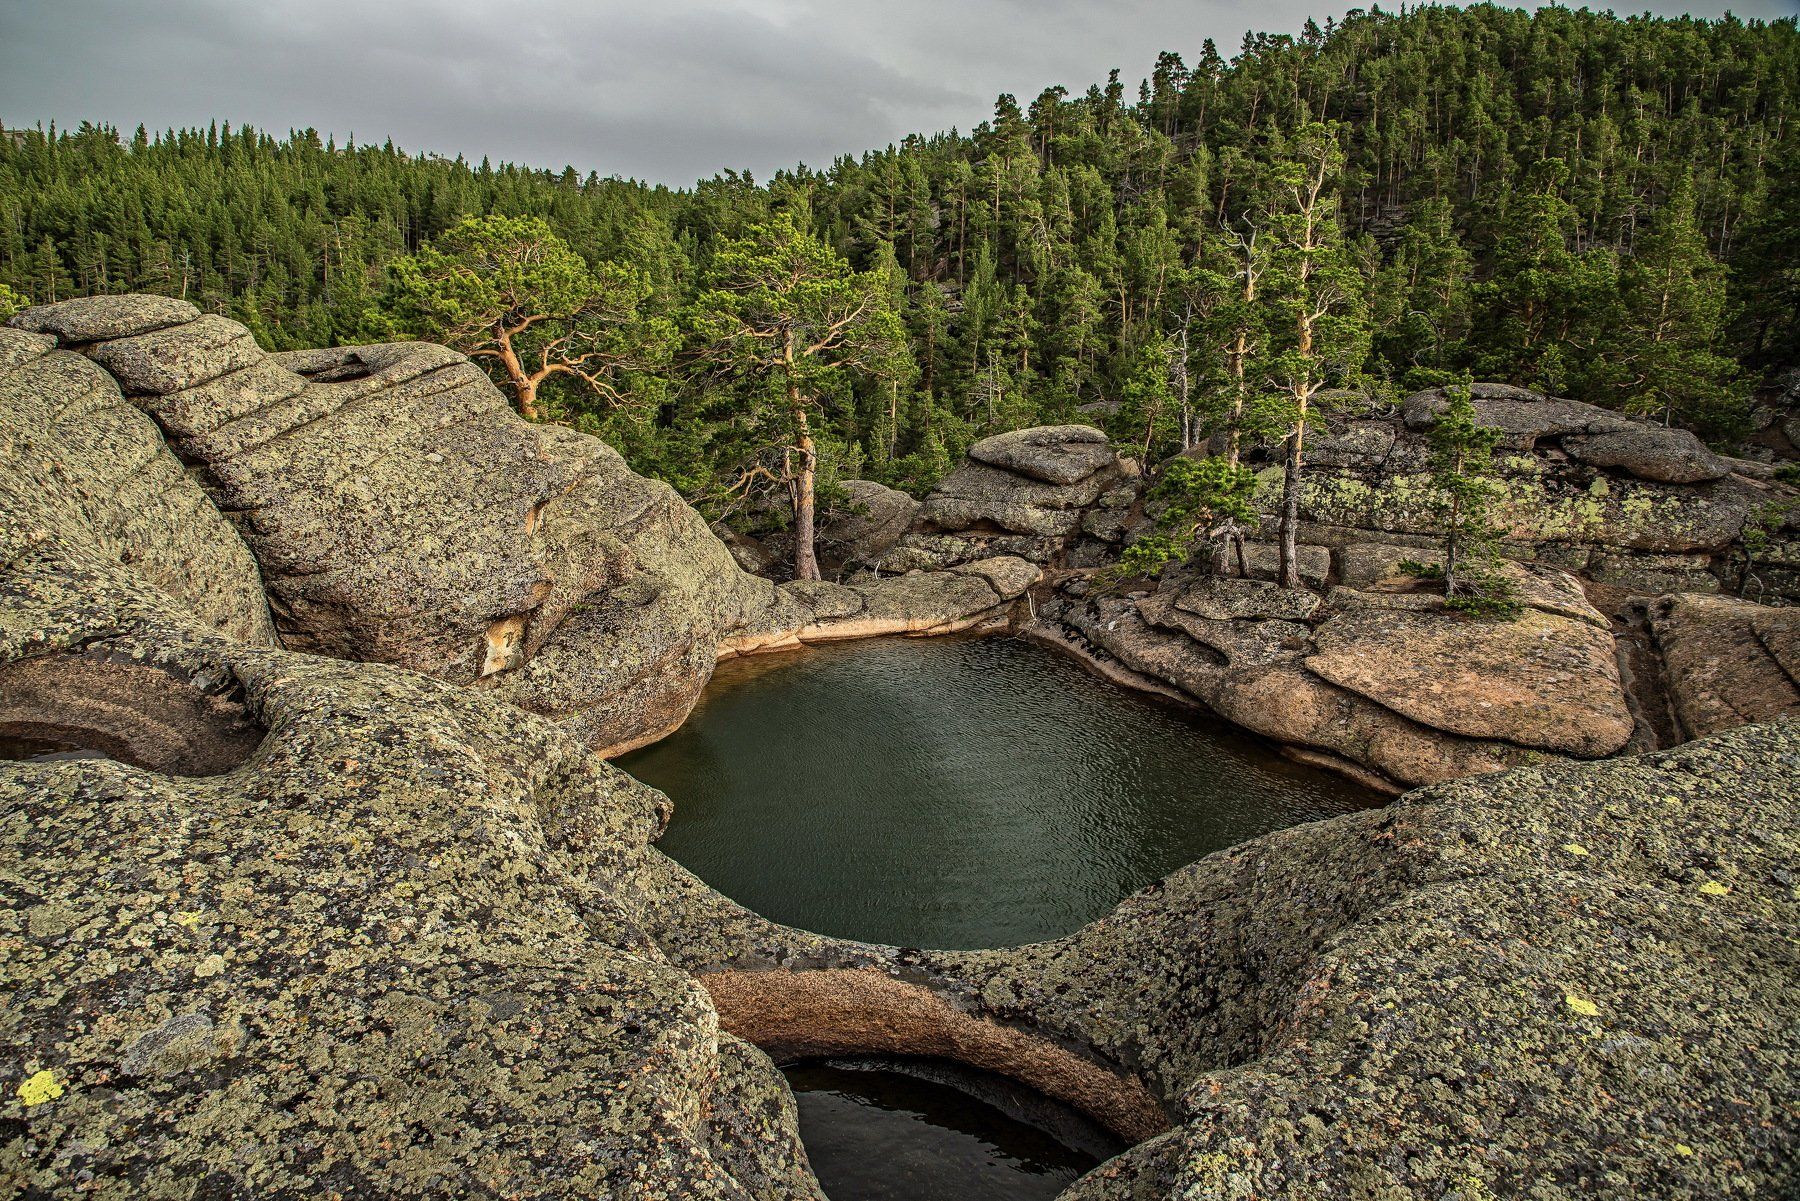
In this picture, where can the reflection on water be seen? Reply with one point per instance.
(922, 1130)
(956, 792)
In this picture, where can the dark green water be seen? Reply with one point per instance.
(956, 793)
(921, 1130)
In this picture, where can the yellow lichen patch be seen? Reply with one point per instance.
(1713, 888)
(1683, 1150)
(1574, 848)
(1581, 1005)
(40, 1087)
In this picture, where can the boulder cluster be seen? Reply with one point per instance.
(1364, 670)
(341, 898)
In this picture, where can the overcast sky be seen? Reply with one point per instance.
(664, 90)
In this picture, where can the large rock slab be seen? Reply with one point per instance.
(1726, 662)
(1542, 680)
(1668, 456)
(1056, 454)
(867, 526)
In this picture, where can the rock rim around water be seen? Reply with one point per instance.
(401, 938)
(399, 512)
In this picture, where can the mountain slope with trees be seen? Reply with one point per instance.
(1597, 206)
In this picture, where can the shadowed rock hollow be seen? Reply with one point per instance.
(412, 940)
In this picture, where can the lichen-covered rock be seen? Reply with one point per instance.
(1727, 662)
(1056, 454)
(1566, 981)
(402, 513)
(312, 927)
(319, 927)
(77, 460)
(102, 318)
(1225, 598)
(868, 524)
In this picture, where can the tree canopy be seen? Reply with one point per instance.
(1597, 205)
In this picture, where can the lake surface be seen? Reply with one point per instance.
(956, 792)
(920, 1130)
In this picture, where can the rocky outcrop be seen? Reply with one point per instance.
(1727, 662)
(76, 455)
(1038, 494)
(1635, 506)
(1385, 685)
(864, 526)
(402, 514)
(311, 927)
(315, 926)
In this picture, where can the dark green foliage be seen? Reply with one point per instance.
(1462, 472)
(1512, 187)
(1195, 502)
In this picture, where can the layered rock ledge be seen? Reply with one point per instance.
(311, 926)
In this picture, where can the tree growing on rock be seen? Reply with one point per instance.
(1462, 471)
(11, 302)
(510, 292)
(1315, 293)
(1191, 499)
(781, 306)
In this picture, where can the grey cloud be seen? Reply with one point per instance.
(668, 92)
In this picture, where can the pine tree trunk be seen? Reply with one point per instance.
(1290, 509)
(1452, 547)
(806, 562)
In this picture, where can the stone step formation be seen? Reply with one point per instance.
(352, 903)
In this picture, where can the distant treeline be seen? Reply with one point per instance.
(1532, 197)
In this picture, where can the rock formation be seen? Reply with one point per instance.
(1039, 494)
(402, 514)
(1365, 673)
(316, 926)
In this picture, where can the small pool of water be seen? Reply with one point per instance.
(39, 750)
(956, 793)
(921, 1130)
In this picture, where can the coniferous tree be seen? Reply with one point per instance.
(509, 291)
(1673, 297)
(786, 310)
(1315, 294)
(1462, 472)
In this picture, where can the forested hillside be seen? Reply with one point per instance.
(1605, 208)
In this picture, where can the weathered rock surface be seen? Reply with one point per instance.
(76, 455)
(397, 939)
(866, 528)
(1726, 661)
(401, 513)
(1029, 493)
(1541, 681)
(313, 927)
(1389, 686)
(1056, 454)
(1574, 980)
